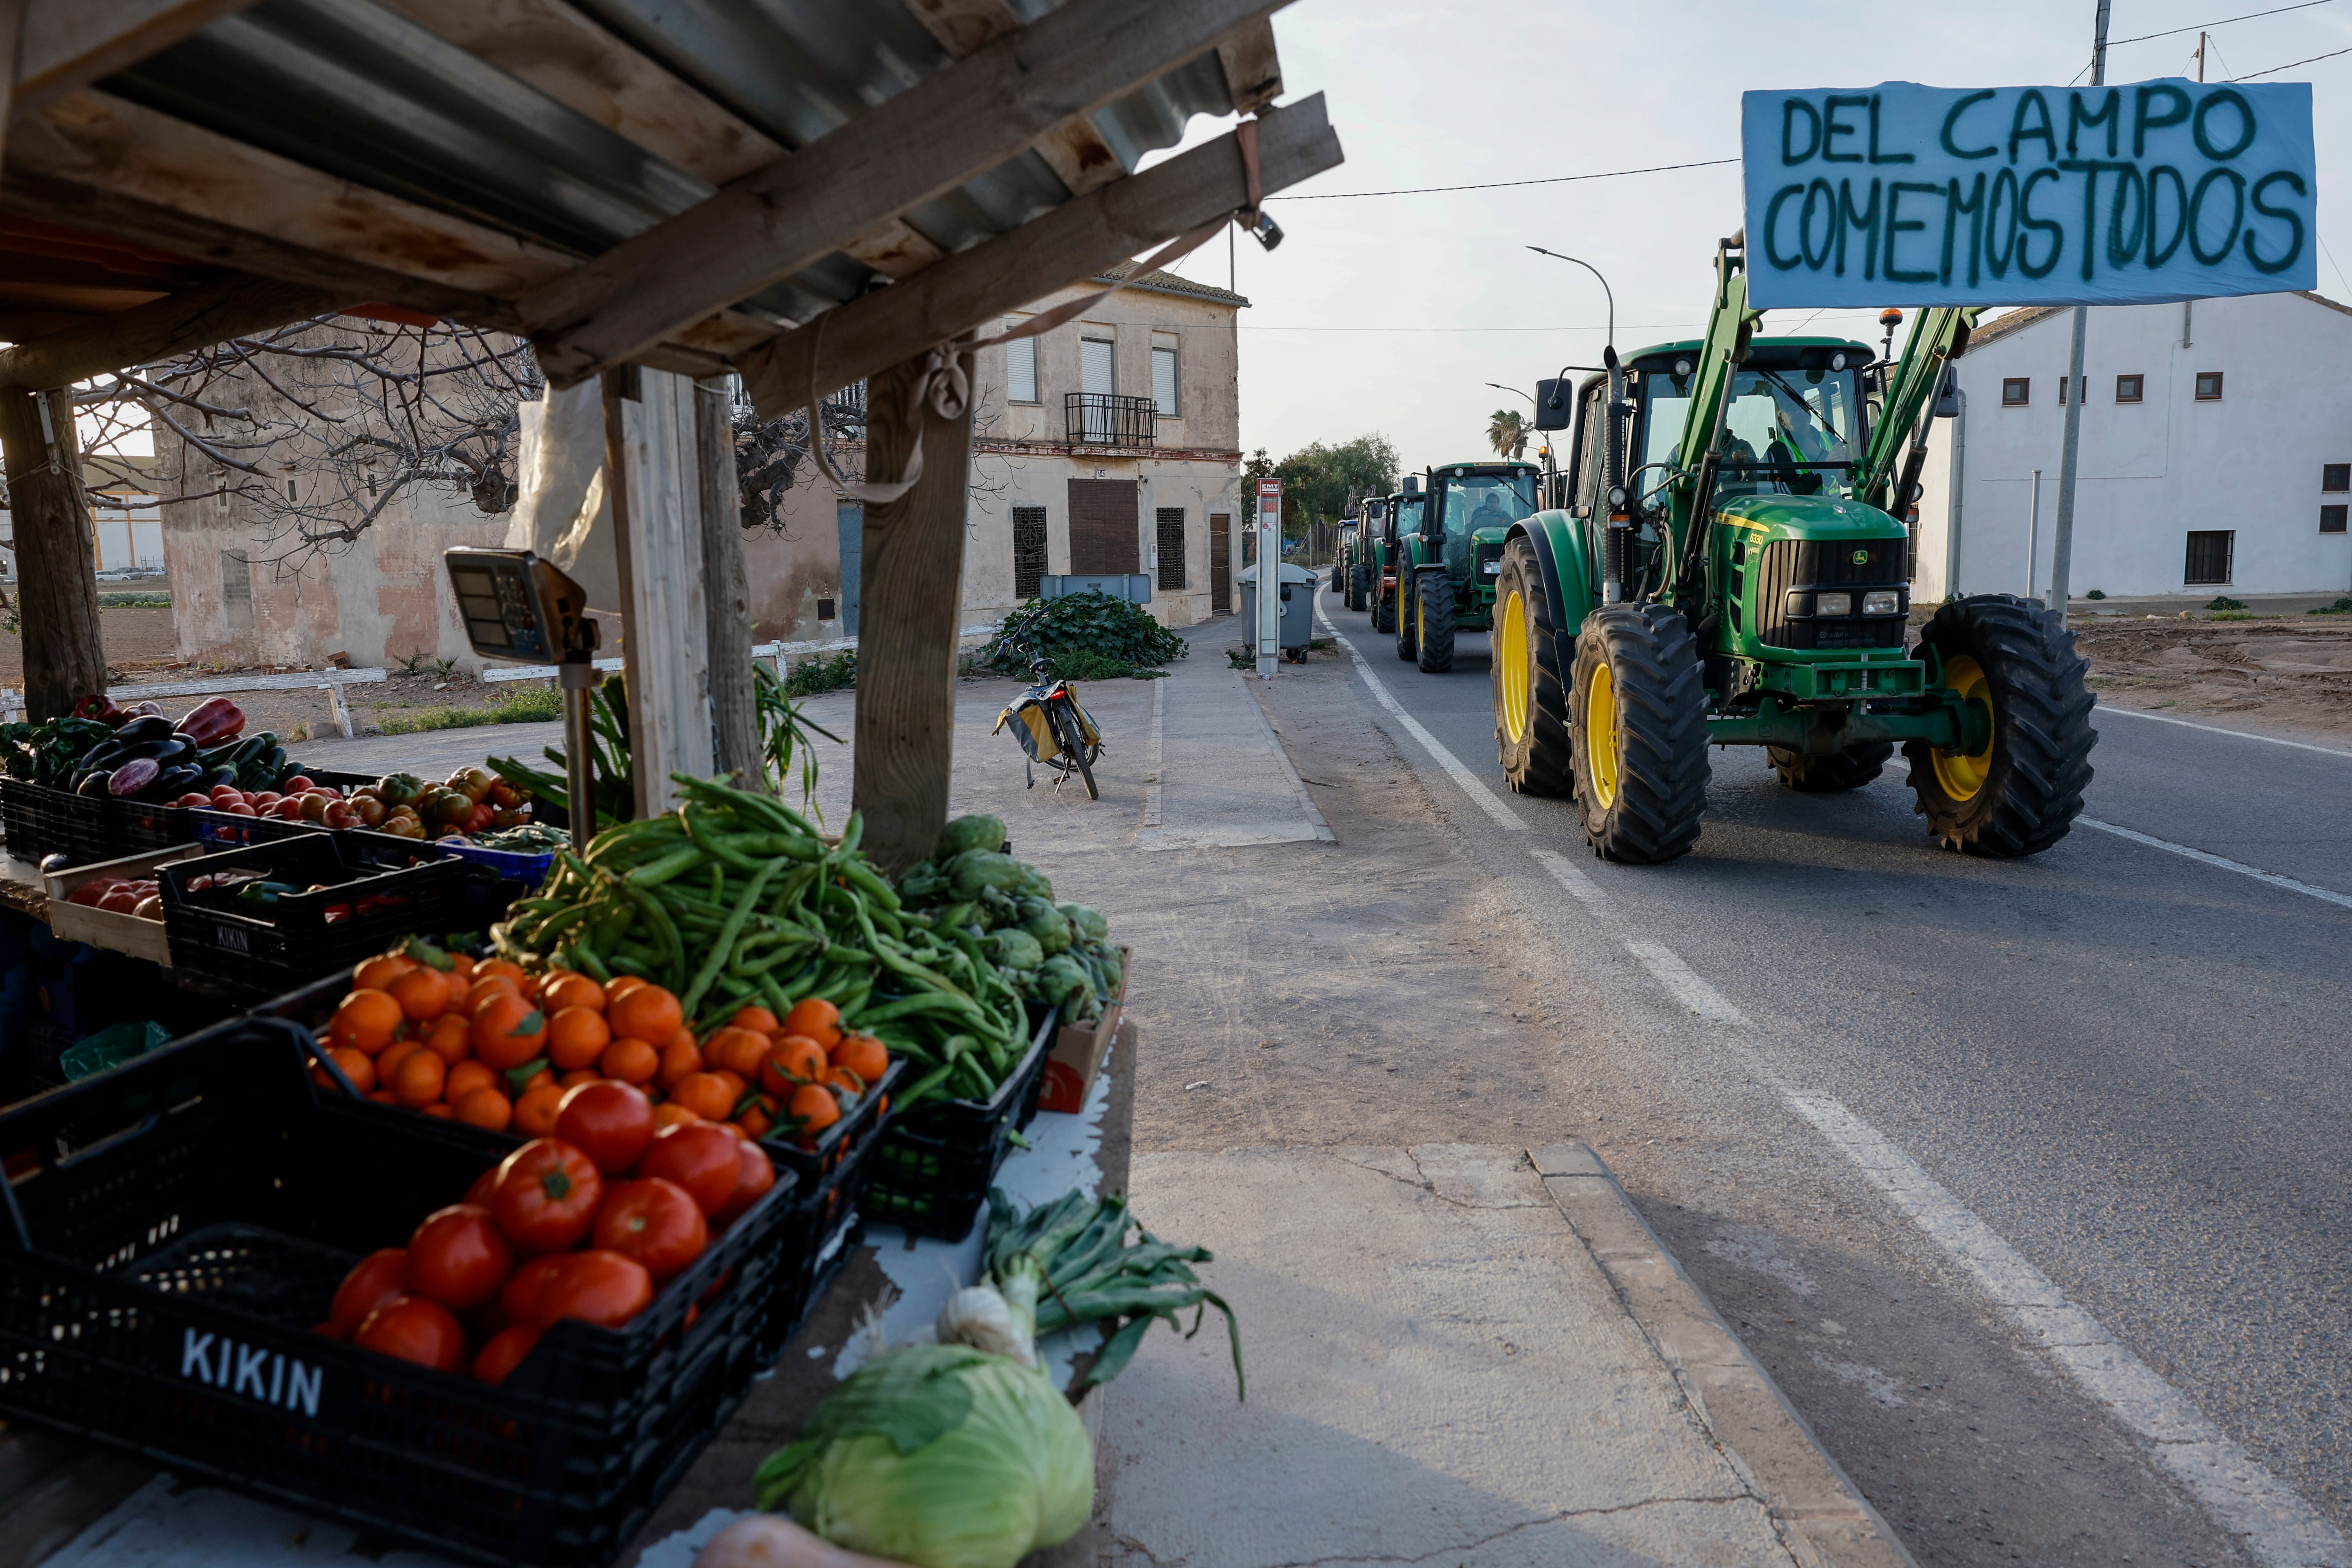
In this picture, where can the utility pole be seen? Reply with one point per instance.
(2201, 57)
(2062, 538)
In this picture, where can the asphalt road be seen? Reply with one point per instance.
(2128, 1064)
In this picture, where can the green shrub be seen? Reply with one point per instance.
(818, 673)
(2340, 607)
(2095, 593)
(1094, 624)
(2226, 602)
(135, 601)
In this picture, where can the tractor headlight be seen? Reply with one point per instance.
(1833, 603)
(1886, 603)
(1492, 569)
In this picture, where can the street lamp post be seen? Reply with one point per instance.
(1612, 571)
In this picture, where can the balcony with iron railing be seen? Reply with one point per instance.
(1106, 419)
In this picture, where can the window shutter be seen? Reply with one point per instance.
(1163, 383)
(1094, 367)
(1021, 370)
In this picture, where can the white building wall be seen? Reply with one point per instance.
(2153, 471)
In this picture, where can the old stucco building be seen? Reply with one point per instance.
(1110, 444)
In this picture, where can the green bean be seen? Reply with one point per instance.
(658, 917)
(677, 862)
(725, 946)
(863, 876)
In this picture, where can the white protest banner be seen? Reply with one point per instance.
(1907, 195)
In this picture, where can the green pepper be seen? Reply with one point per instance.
(262, 897)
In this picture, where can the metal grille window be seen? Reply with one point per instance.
(1172, 547)
(2016, 390)
(2331, 519)
(2208, 386)
(2335, 476)
(1163, 381)
(2210, 553)
(1020, 371)
(1028, 551)
(2062, 391)
(236, 589)
(2130, 389)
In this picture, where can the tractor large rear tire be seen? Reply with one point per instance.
(2020, 795)
(1355, 599)
(1384, 606)
(1530, 685)
(1432, 606)
(1850, 769)
(1639, 725)
(1402, 621)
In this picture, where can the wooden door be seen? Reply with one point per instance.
(1103, 527)
(1221, 563)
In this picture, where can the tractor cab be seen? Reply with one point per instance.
(1386, 549)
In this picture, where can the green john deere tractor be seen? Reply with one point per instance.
(1385, 547)
(1730, 571)
(1447, 568)
(1359, 538)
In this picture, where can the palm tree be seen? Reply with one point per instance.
(1506, 431)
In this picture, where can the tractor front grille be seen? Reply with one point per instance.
(1807, 563)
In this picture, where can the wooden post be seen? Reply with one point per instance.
(913, 593)
(57, 562)
(727, 587)
(651, 467)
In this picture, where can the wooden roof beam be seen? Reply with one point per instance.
(68, 44)
(1074, 149)
(1074, 241)
(175, 323)
(955, 124)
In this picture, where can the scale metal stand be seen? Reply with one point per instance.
(518, 607)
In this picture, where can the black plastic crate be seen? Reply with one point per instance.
(210, 938)
(932, 1172)
(158, 1287)
(41, 819)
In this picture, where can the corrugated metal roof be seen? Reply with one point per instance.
(357, 90)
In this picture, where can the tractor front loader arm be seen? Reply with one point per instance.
(1729, 325)
(1898, 442)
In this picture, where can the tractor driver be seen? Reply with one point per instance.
(1491, 512)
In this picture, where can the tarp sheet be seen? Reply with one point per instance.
(1905, 195)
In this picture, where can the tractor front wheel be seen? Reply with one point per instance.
(1850, 769)
(1383, 606)
(2019, 795)
(1355, 599)
(1530, 685)
(1638, 722)
(1432, 608)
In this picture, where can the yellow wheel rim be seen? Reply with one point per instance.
(1420, 623)
(1601, 735)
(1962, 776)
(1511, 665)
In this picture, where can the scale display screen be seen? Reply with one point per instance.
(515, 605)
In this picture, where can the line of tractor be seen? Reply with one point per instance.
(1723, 560)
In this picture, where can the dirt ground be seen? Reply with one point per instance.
(2294, 671)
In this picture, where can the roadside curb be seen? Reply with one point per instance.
(1826, 1519)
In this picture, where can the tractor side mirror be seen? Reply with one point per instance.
(1948, 395)
(1555, 404)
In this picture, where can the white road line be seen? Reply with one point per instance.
(2278, 1527)
(2256, 872)
(1159, 755)
(1282, 758)
(1471, 784)
(2105, 707)
(1588, 891)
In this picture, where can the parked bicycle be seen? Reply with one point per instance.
(1051, 726)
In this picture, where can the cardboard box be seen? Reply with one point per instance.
(1079, 1049)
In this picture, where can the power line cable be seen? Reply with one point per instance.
(2291, 65)
(2169, 32)
(1500, 185)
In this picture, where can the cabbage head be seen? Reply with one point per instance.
(939, 1456)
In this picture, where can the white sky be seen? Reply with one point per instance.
(1441, 94)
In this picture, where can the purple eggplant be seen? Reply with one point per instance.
(132, 776)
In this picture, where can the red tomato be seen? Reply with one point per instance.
(596, 1288)
(458, 1257)
(413, 1329)
(520, 1300)
(299, 784)
(655, 1222)
(505, 1351)
(754, 1175)
(698, 1156)
(375, 1279)
(609, 1121)
(547, 1195)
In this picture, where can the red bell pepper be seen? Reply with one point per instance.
(211, 721)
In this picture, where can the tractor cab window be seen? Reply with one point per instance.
(1790, 432)
(1406, 518)
(1473, 501)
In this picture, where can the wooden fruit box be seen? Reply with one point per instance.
(106, 928)
(1079, 1049)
